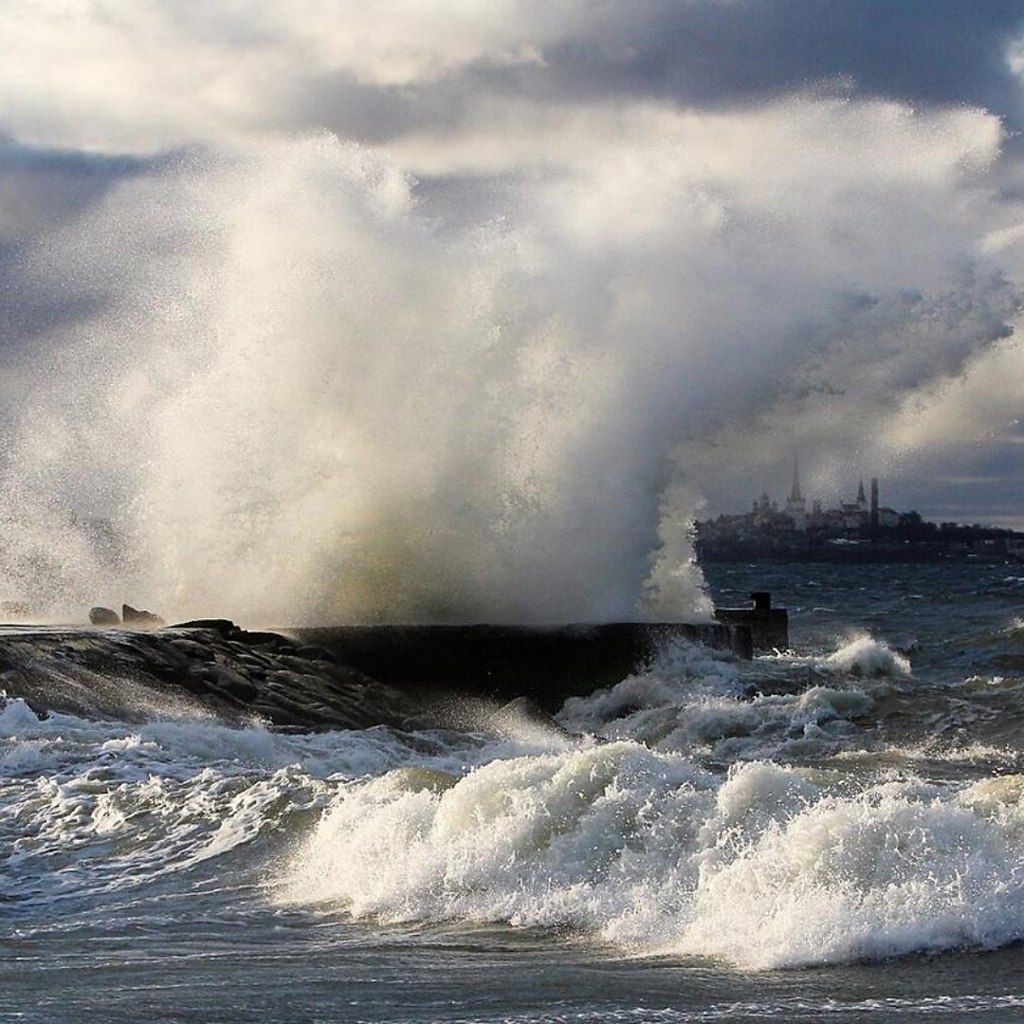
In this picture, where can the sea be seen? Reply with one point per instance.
(833, 832)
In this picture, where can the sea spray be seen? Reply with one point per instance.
(282, 378)
(334, 413)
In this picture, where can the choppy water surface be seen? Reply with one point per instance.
(831, 833)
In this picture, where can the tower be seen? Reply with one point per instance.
(795, 497)
(796, 508)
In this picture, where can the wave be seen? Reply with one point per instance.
(693, 701)
(104, 805)
(865, 656)
(765, 813)
(767, 867)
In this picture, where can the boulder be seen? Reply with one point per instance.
(100, 616)
(138, 617)
(223, 626)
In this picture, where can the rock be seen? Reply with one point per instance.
(314, 653)
(223, 626)
(100, 616)
(275, 641)
(192, 651)
(233, 683)
(138, 617)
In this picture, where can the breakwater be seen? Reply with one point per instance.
(315, 678)
(765, 628)
(211, 667)
(546, 664)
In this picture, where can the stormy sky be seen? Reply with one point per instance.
(644, 253)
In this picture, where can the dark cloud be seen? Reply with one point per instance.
(709, 55)
(373, 113)
(713, 53)
(965, 482)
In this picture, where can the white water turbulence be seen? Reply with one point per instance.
(768, 867)
(301, 400)
(291, 379)
(103, 807)
(690, 818)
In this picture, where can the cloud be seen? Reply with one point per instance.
(141, 76)
(915, 51)
(137, 77)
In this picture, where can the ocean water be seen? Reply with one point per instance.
(831, 833)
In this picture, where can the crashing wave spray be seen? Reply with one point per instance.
(301, 388)
(296, 400)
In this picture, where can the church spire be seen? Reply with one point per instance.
(795, 507)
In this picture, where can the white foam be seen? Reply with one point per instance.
(682, 671)
(767, 867)
(867, 657)
(16, 717)
(697, 703)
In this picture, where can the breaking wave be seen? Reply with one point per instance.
(768, 867)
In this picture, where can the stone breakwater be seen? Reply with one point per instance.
(210, 667)
(350, 677)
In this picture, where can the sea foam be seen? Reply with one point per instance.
(692, 701)
(763, 868)
(865, 656)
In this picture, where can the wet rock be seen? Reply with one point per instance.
(225, 627)
(192, 650)
(254, 664)
(302, 665)
(281, 718)
(315, 653)
(91, 672)
(232, 682)
(274, 641)
(100, 616)
(140, 618)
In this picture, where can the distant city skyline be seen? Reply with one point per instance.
(983, 501)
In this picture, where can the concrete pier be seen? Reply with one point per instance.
(769, 627)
